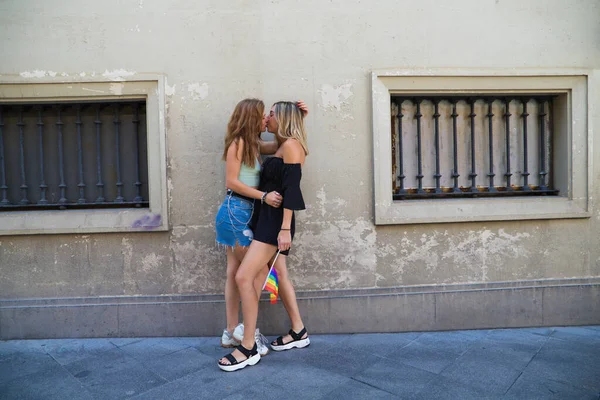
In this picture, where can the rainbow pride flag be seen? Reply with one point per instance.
(272, 282)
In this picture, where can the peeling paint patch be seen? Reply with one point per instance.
(93, 90)
(169, 90)
(37, 74)
(198, 91)
(335, 96)
(152, 262)
(354, 242)
(127, 252)
(324, 203)
(117, 88)
(117, 74)
(198, 266)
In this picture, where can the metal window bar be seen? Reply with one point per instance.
(53, 155)
(444, 139)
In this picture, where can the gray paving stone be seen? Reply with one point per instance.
(539, 331)
(69, 351)
(110, 359)
(392, 377)
(53, 383)
(212, 383)
(190, 341)
(178, 364)
(593, 327)
(500, 353)
(380, 343)
(494, 378)
(212, 348)
(456, 342)
(444, 388)
(588, 336)
(18, 365)
(572, 363)
(305, 381)
(327, 340)
(355, 390)
(263, 391)
(474, 332)
(428, 358)
(124, 382)
(530, 386)
(10, 347)
(125, 375)
(577, 350)
(518, 338)
(342, 360)
(151, 348)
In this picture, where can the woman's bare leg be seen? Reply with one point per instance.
(239, 253)
(255, 259)
(288, 297)
(232, 296)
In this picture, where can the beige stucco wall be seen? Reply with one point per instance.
(213, 54)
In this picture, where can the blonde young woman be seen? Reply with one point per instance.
(273, 229)
(242, 147)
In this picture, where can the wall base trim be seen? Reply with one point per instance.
(554, 302)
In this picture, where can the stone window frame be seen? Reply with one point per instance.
(572, 173)
(150, 87)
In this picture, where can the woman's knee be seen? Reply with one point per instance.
(231, 273)
(243, 280)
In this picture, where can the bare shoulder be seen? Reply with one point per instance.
(236, 148)
(292, 151)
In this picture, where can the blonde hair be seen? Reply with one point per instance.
(291, 122)
(246, 123)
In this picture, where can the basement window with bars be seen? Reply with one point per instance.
(454, 146)
(471, 145)
(73, 155)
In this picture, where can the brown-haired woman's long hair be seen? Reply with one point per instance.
(291, 122)
(246, 123)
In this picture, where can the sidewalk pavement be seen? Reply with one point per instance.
(534, 363)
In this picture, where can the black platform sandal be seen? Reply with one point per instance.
(297, 341)
(252, 357)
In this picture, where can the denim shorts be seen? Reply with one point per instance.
(232, 222)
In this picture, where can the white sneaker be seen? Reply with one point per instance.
(261, 341)
(238, 333)
(227, 340)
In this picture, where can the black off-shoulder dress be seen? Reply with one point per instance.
(285, 179)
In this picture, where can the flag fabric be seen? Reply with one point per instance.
(272, 282)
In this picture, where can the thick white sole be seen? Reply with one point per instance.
(250, 361)
(299, 344)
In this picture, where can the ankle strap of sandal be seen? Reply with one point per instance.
(246, 352)
(297, 336)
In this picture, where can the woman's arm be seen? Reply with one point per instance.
(269, 147)
(293, 153)
(233, 164)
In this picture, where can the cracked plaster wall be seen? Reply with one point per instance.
(215, 53)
